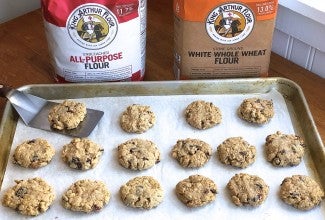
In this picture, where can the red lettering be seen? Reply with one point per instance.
(72, 59)
(103, 58)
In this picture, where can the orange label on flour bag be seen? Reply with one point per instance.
(96, 41)
(218, 38)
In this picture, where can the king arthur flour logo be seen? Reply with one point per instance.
(92, 26)
(230, 23)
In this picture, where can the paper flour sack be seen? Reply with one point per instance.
(96, 41)
(222, 38)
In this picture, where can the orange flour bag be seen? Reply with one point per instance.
(218, 38)
(96, 40)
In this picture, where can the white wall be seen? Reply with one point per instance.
(10, 9)
(299, 33)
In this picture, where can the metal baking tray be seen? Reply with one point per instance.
(299, 111)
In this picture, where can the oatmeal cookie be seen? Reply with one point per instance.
(301, 192)
(67, 115)
(196, 190)
(138, 154)
(256, 110)
(137, 119)
(33, 153)
(142, 192)
(86, 196)
(284, 149)
(202, 115)
(237, 152)
(192, 153)
(81, 153)
(247, 190)
(29, 197)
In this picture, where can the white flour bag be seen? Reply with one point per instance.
(96, 40)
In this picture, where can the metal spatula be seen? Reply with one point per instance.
(34, 112)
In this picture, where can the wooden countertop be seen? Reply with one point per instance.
(24, 57)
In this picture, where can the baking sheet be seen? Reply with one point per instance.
(170, 127)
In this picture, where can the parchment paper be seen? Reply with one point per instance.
(170, 126)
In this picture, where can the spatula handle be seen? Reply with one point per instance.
(4, 90)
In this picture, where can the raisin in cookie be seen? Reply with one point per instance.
(192, 153)
(33, 153)
(137, 119)
(138, 154)
(256, 110)
(247, 190)
(196, 190)
(67, 115)
(29, 197)
(284, 149)
(86, 196)
(142, 192)
(81, 153)
(237, 152)
(202, 115)
(301, 192)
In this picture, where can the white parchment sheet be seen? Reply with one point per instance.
(170, 126)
